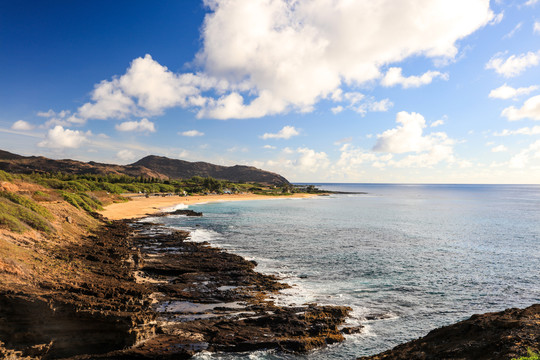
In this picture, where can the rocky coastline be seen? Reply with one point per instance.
(134, 290)
(149, 293)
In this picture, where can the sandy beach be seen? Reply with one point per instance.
(140, 206)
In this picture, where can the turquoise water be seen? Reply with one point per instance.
(406, 258)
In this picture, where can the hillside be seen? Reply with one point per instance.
(149, 167)
(185, 169)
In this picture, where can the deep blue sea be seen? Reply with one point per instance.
(406, 258)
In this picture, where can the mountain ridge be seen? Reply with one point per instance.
(150, 166)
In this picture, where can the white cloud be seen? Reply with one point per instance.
(394, 77)
(191, 133)
(513, 31)
(437, 123)
(535, 130)
(238, 149)
(22, 125)
(274, 56)
(531, 2)
(184, 154)
(125, 155)
(524, 157)
(497, 18)
(59, 138)
(380, 106)
(536, 27)
(514, 64)
(286, 133)
(293, 53)
(529, 110)
(500, 148)
(360, 103)
(270, 147)
(147, 88)
(337, 109)
(139, 126)
(507, 92)
(310, 160)
(430, 149)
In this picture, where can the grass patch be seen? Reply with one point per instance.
(82, 201)
(531, 355)
(15, 217)
(27, 203)
(4, 176)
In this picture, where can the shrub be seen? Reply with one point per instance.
(531, 355)
(27, 203)
(82, 201)
(13, 215)
(4, 176)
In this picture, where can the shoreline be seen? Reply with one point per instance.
(140, 206)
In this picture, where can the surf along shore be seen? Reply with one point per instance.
(204, 298)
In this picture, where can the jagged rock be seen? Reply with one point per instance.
(502, 335)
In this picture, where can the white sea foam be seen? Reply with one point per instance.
(202, 235)
(180, 206)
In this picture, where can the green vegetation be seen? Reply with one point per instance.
(77, 190)
(19, 218)
(4, 176)
(27, 203)
(531, 355)
(82, 201)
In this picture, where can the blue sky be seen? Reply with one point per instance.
(425, 91)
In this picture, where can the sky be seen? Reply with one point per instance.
(401, 91)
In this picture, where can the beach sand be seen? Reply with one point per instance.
(140, 206)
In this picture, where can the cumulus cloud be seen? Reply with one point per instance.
(191, 133)
(270, 147)
(514, 64)
(125, 155)
(500, 148)
(507, 92)
(536, 27)
(408, 137)
(268, 57)
(22, 125)
(531, 2)
(139, 126)
(59, 138)
(529, 110)
(524, 157)
(286, 133)
(395, 77)
(535, 130)
(64, 118)
(147, 88)
(293, 53)
(310, 160)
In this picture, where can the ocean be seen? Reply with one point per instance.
(406, 258)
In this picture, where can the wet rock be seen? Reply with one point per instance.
(502, 335)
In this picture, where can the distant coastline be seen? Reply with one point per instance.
(140, 206)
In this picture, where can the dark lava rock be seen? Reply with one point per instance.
(352, 330)
(502, 335)
(180, 212)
